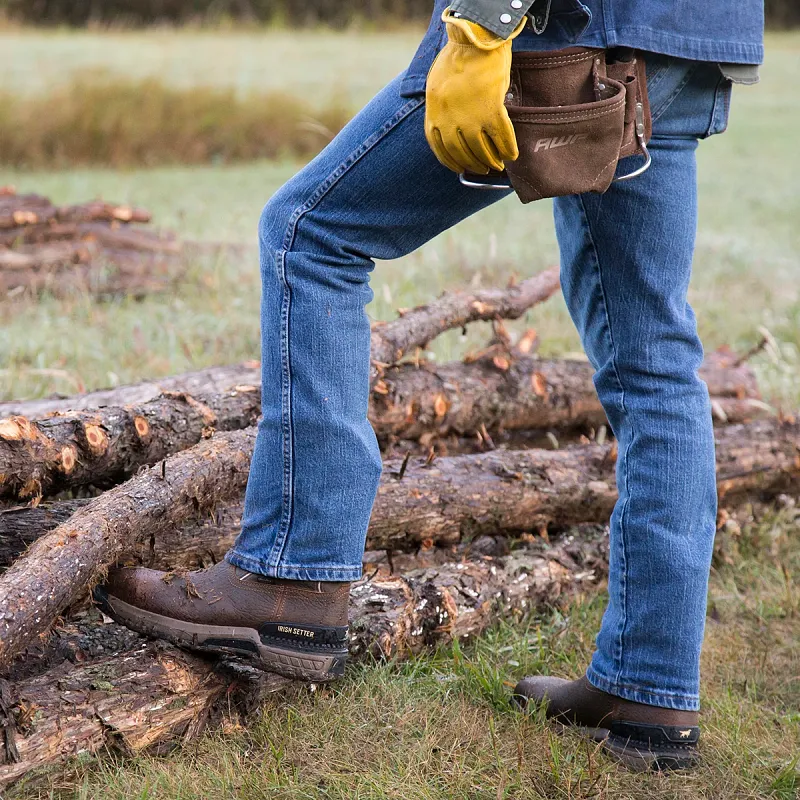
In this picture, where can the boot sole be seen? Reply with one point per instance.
(308, 663)
(637, 756)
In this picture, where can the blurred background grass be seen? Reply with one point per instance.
(313, 66)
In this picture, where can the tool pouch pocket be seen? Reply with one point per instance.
(576, 113)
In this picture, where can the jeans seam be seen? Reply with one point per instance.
(246, 562)
(619, 655)
(721, 97)
(287, 432)
(287, 428)
(656, 114)
(242, 557)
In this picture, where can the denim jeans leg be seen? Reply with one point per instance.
(626, 264)
(375, 192)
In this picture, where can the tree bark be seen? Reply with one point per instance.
(401, 615)
(102, 274)
(103, 447)
(126, 702)
(21, 526)
(212, 380)
(17, 211)
(461, 497)
(526, 394)
(58, 255)
(61, 564)
(144, 694)
(415, 328)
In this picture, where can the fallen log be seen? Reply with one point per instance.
(87, 247)
(106, 274)
(444, 502)
(402, 387)
(17, 215)
(10, 200)
(197, 543)
(145, 694)
(125, 238)
(99, 211)
(212, 380)
(125, 703)
(61, 564)
(728, 373)
(115, 235)
(21, 526)
(36, 259)
(22, 210)
(525, 394)
(459, 497)
(390, 340)
(38, 458)
(415, 328)
(105, 446)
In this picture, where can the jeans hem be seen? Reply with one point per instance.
(636, 694)
(291, 572)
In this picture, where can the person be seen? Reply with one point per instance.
(383, 187)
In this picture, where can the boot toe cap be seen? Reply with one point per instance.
(135, 586)
(534, 690)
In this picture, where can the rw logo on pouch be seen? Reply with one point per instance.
(551, 142)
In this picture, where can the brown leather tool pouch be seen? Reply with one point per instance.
(576, 113)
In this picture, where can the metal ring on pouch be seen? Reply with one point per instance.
(640, 136)
(477, 185)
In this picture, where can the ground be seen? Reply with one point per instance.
(439, 727)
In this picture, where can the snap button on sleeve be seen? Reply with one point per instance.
(505, 18)
(516, 3)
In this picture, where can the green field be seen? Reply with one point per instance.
(312, 64)
(440, 727)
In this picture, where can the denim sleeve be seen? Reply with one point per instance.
(501, 17)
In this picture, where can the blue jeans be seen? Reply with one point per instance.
(378, 192)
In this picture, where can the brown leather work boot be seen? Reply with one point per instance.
(643, 737)
(294, 628)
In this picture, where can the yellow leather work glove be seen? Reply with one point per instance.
(466, 122)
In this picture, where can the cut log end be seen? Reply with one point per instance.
(142, 427)
(14, 428)
(96, 438)
(69, 457)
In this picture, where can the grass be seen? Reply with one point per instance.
(442, 727)
(109, 121)
(309, 65)
(438, 727)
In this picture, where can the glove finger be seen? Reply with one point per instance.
(504, 139)
(434, 137)
(473, 162)
(483, 148)
(456, 152)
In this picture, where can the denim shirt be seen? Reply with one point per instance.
(722, 31)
